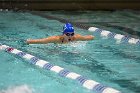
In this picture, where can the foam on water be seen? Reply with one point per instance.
(78, 44)
(18, 89)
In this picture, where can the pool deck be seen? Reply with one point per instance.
(70, 4)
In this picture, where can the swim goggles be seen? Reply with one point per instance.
(69, 34)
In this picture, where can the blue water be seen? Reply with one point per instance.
(103, 60)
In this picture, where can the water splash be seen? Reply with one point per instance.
(18, 89)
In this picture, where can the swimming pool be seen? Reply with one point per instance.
(103, 60)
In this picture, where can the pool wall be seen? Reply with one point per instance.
(69, 4)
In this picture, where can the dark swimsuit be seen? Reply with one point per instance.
(63, 40)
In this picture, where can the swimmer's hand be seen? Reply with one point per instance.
(21, 42)
(28, 41)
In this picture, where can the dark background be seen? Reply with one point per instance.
(69, 4)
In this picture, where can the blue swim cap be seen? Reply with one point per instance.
(68, 28)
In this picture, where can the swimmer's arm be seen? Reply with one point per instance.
(84, 38)
(52, 39)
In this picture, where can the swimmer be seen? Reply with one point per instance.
(67, 36)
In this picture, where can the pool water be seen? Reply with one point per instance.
(123, 22)
(106, 61)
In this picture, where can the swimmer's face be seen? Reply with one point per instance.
(69, 34)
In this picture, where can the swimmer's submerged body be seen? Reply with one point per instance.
(67, 36)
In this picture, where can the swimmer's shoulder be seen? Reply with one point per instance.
(76, 36)
(56, 39)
